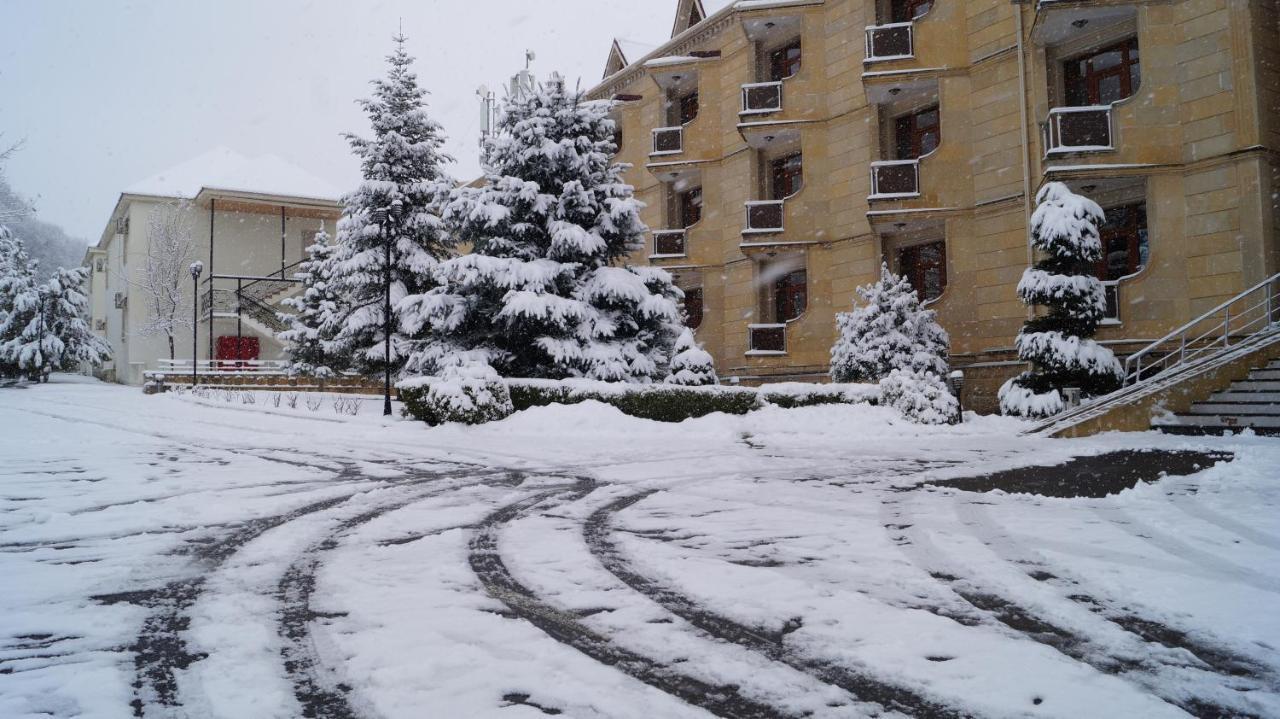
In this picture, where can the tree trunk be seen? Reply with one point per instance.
(171, 356)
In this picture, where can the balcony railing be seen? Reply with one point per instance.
(894, 41)
(668, 140)
(765, 216)
(761, 97)
(767, 339)
(895, 178)
(668, 243)
(1078, 129)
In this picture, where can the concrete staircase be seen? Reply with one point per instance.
(1252, 403)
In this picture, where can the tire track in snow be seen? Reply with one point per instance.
(1030, 624)
(564, 627)
(861, 685)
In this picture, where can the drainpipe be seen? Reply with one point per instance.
(212, 202)
(284, 234)
(1026, 146)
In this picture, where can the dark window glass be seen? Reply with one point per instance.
(691, 207)
(784, 62)
(919, 133)
(617, 138)
(925, 267)
(908, 10)
(1125, 242)
(791, 295)
(693, 307)
(1103, 76)
(788, 175)
(688, 108)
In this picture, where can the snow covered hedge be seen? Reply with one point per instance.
(425, 398)
(470, 394)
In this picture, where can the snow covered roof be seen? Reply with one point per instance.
(633, 50)
(225, 169)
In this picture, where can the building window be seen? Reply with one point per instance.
(787, 174)
(790, 295)
(690, 207)
(925, 267)
(919, 133)
(908, 10)
(1125, 242)
(689, 108)
(1103, 76)
(693, 307)
(785, 61)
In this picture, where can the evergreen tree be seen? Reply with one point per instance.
(691, 366)
(540, 295)
(314, 324)
(44, 327)
(1065, 229)
(19, 300)
(397, 204)
(891, 330)
(67, 312)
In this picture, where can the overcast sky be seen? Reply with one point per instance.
(108, 92)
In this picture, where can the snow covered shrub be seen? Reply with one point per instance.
(314, 402)
(922, 398)
(789, 395)
(1058, 343)
(291, 400)
(248, 398)
(691, 366)
(891, 330)
(658, 402)
(469, 393)
(275, 399)
(348, 406)
(542, 294)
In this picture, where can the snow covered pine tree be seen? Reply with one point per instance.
(892, 339)
(1064, 228)
(315, 322)
(19, 300)
(398, 203)
(540, 294)
(66, 312)
(691, 366)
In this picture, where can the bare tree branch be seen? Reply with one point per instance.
(162, 278)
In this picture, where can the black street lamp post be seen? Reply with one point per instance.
(41, 376)
(196, 269)
(380, 216)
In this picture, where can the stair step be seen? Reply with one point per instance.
(1195, 430)
(1228, 421)
(1255, 386)
(1233, 395)
(1264, 375)
(1260, 409)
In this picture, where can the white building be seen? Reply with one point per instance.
(251, 220)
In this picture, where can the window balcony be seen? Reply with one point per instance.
(895, 179)
(770, 339)
(668, 243)
(761, 97)
(764, 216)
(894, 41)
(1078, 129)
(668, 141)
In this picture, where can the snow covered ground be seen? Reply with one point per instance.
(168, 556)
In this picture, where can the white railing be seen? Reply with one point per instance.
(182, 367)
(668, 140)
(895, 179)
(894, 41)
(1241, 325)
(1078, 129)
(765, 216)
(761, 97)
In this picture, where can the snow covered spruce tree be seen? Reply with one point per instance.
(308, 340)
(541, 294)
(691, 366)
(43, 328)
(1065, 229)
(890, 330)
(398, 204)
(19, 299)
(66, 315)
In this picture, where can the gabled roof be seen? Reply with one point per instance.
(624, 52)
(689, 13)
(225, 169)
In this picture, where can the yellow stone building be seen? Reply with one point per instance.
(786, 148)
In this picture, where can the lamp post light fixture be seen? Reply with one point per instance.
(197, 268)
(955, 381)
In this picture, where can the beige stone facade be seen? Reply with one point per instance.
(923, 131)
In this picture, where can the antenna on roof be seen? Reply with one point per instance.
(529, 57)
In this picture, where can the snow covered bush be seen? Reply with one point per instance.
(1058, 343)
(921, 397)
(541, 295)
(691, 366)
(466, 393)
(891, 330)
(789, 395)
(308, 339)
(658, 402)
(397, 204)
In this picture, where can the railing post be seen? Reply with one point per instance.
(1226, 327)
